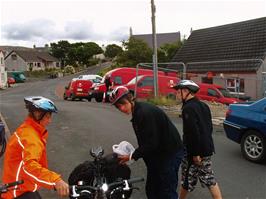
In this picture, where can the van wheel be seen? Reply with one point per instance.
(65, 97)
(99, 98)
(72, 97)
(253, 146)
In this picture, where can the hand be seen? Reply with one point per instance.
(123, 159)
(197, 160)
(62, 188)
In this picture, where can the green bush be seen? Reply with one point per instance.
(163, 100)
(69, 70)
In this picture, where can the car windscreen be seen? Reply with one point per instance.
(22, 76)
(225, 92)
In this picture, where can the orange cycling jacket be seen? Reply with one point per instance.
(25, 159)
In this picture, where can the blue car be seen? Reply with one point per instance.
(245, 124)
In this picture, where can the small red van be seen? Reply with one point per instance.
(77, 89)
(118, 76)
(215, 93)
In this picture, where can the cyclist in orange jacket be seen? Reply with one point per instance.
(25, 157)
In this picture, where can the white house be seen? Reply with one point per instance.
(3, 73)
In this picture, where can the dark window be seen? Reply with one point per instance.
(39, 64)
(147, 81)
(14, 57)
(212, 92)
(118, 80)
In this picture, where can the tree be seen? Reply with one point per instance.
(60, 50)
(136, 51)
(113, 50)
(81, 53)
(167, 51)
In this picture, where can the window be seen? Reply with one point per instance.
(147, 81)
(118, 80)
(39, 64)
(235, 85)
(212, 92)
(2, 60)
(14, 57)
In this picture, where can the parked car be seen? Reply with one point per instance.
(17, 75)
(215, 93)
(145, 86)
(118, 76)
(245, 124)
(77, 89)
(10, 81)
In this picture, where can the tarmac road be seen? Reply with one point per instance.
(80, 125)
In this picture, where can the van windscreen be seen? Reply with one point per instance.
(225, 92)
(133, 81)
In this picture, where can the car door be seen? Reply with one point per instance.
(145, 87)
(262, 116)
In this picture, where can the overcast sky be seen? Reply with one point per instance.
(39, 22)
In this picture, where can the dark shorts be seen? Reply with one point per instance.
(192, 172)
(29, 195)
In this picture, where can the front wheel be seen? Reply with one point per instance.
(65, 97)
(253, 146)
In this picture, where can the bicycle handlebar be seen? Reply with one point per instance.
(89, 188)
(4, 187)
(129, 181)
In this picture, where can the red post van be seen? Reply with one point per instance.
(145, 86)
(118, 76)
(215, 93)
(77, 89)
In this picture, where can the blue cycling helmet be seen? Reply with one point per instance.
(40, 103)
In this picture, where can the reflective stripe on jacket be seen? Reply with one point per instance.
(25, 159)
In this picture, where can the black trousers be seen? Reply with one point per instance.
(30, 195)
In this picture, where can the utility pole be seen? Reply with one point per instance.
(154, 57)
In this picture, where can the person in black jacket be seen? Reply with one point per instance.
(197, 138)
(159, 142)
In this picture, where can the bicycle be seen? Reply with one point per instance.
(9, 186)
(102, 178)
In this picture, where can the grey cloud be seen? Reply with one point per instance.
(78, 30)
(46, 31)
(119, 34)
(28, 30)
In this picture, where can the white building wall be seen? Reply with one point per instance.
(3, 73)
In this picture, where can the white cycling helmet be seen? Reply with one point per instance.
(188, 84)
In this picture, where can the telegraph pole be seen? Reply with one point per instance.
(154, 57)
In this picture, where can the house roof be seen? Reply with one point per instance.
(34, 56)
(162, 38)
(238, 41)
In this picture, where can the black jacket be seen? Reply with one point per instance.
(156, 134)
(197, 128)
